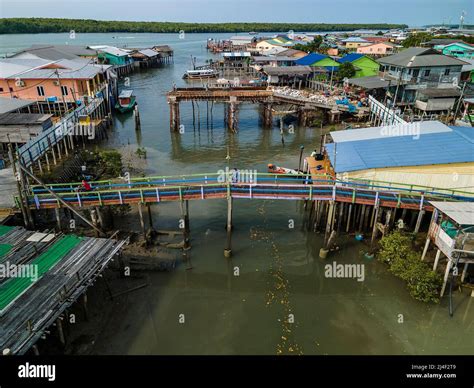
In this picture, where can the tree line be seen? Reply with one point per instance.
(52, 25)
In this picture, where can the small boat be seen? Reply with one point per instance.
(199, 74)
(274, 169)
(126, 101)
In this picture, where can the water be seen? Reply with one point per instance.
(280, 272)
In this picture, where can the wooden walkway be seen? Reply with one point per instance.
(212, 186)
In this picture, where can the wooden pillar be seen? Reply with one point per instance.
(438, 254)
(418, 221)
(185, 213)
(62, 337)
(349, 218)
(142, 221)
(446, 276)
(174, 114)
(58, 218)
(85, 308)
(464, 272)
(425, 249)
(267, 115)
(150, 218)
(375, 228)
(330, 221)
(232, 115)
(362, 217)
(228, 244)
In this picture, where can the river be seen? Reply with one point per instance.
(280, 273)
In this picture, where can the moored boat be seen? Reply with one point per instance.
(126, 101)
(200, 74)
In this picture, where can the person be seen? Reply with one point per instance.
(86, 186)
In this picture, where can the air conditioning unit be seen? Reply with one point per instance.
(56, 83)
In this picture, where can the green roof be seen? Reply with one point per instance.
(14, 287)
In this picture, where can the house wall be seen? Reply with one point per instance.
(435, 77)
(76, 89)
(456, 50)
(355, 45)
(455, 175)
(375, 49)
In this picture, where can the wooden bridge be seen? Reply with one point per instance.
(252, 186)
(322, 192)
(261, 95)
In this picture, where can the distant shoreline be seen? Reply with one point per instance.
(58, 25)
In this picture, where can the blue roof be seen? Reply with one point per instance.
(456, 146)
(309, 59)
(350, 57)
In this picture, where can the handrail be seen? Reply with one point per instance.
(324, 178)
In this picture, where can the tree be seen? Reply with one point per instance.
(311, 47)
(380, 33)
(346, 70)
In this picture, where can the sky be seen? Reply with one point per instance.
(411, 12)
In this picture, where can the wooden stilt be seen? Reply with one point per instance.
(438, 254)
(425, 249)
(58, 218)
(62, 337)
(349, 218)
(418, 220)
(142, 221)
(446, 276)
(228, 245)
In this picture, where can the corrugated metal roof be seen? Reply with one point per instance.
(460, 212)
(417, 57)
(148, 52)
(287, 70)
(424, 127)
(355, 39)
(237, 54)
(309, 59)
(349, 58)
(11, 104)
(431, 147)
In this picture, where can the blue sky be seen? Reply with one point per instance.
(412, 12)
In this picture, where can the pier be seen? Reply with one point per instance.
(269, 98)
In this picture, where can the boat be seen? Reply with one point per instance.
(199, 74)
(274, 169)
(126, 101)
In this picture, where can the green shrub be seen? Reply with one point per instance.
(396, 251)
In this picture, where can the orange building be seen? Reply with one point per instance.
(45, 80)
(376, 49)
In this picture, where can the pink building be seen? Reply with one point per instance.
(42, 80)
(376, 49)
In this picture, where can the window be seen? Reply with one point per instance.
(1, 90)
(447, 71)
(427, 73)
(11, 89)
(416, 72)
(64, 91)
(40, 90)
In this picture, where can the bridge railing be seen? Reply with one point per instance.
(260, 178)
(264, 190)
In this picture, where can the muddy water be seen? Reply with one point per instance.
(203, 307)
